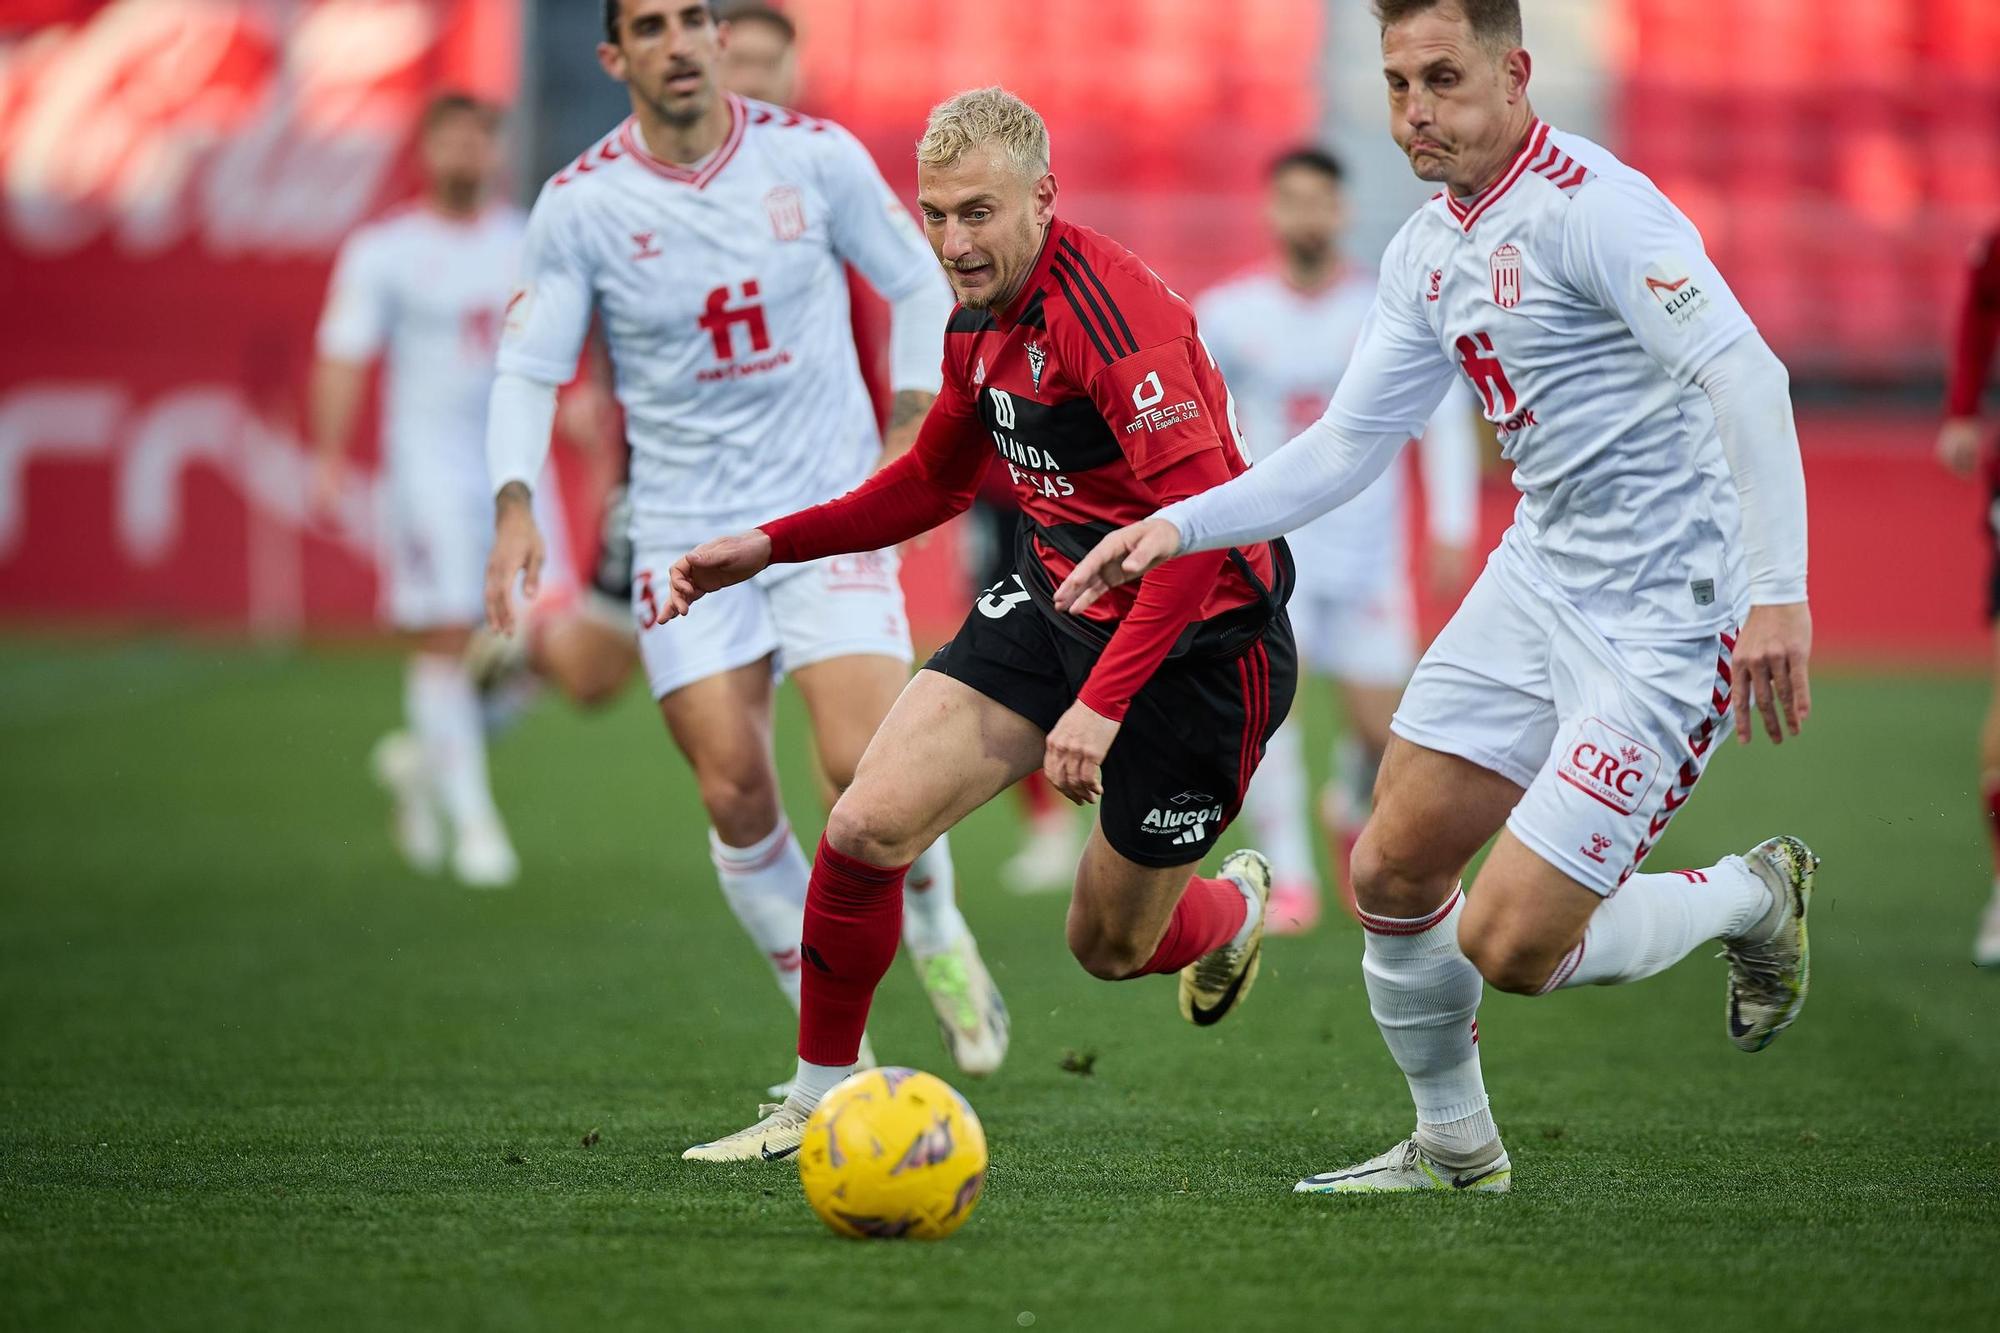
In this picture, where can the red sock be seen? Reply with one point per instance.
(1993, 821)
(1038, 796)
(854, 921)
(1208, 915)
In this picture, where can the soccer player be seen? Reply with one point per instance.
(1282, 334)
(425, 288)
(707, 233)
(1653, 581)
(1073, 361)
(1962, 448)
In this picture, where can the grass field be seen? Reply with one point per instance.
(254, 1075)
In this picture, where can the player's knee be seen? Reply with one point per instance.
(870, 833)
(1509, 962)
(1389, 880)
(742, 804)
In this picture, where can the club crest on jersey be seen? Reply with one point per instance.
(787, 207)
(645, 249)
(1038, 357)
(1507, 276)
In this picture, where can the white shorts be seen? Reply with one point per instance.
(1366, 636)
(842, 606)
(436, 529)
(1608, 738)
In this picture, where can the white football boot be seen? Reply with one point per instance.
(776, 1136)
(971, 1016)
(1405, 1169)
(483, 857)
(1986, 948)
(416, 825)
(1770, 966)
(1218, 981)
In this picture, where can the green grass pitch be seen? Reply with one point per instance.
(253, 1075)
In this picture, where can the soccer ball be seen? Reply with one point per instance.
(891, 1153)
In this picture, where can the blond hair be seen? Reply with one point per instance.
(983, 116)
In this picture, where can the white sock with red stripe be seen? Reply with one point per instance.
(932, 922)
(765, 885)
(1276, 805)
(1424, 994)
(1654, 921)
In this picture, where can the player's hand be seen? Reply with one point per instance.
(517, 550)
(1121, 557)
(1448, 569)
(1958, 445)
(326, 488)
(1074, 759)
(714, 565)
(1768, 670)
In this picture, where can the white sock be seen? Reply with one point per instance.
(813, 1082)
(444, 714)
(1654, 921)
(932, 922)
(1276, 804)
(1424, 994)
(765, 885)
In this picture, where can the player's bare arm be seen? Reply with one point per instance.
(518, 550)
(338, 388)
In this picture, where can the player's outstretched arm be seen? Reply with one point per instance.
(714, 565)
(517, 552)
(1118, 558)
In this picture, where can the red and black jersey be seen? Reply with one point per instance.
(1091, 383)
(1094, 390)
(1978, 331)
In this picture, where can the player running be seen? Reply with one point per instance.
(1282, 334)
(1962, 448)
(1653, 581)
(1074, 361)
(424, 288)
(707, 233)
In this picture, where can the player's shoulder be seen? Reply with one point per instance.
(1591, 179)
(1103, 296)
(787, 135)
(1248, 289)
(587, 172)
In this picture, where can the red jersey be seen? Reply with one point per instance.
(1093, 388)
(1978, 331)
(1088, 385)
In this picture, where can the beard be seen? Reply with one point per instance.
(1308, 251)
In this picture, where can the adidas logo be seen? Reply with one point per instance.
(1189, 837)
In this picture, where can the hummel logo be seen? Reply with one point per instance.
(647, 250)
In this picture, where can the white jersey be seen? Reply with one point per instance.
(1579, 303)
(1283, 351)
(723, 296)
(427, 293)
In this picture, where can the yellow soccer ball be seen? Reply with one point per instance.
(892, 1153)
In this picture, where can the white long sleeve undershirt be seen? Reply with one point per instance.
(520, 416)
(1323, 467)
(916, 335)
(1751, 394)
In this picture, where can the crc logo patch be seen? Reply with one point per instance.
(1672, 287)
(1610, 767)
